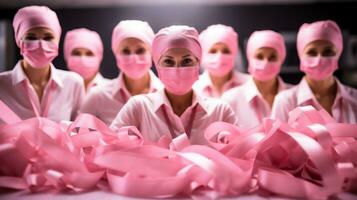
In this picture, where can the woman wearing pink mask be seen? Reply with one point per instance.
(83, 52)
(131, 45)
(253, 100)
(176, 109)
(220, 48)
(35, 87)
(319, 46)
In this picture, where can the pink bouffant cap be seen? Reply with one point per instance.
(35, 16)
(176, 37)
(266, 38)
(83, 38)
(320, 30)
(219, 33)
(132, 29)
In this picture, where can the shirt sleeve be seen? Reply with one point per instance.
(229, 115)
(126, 115)
(78, 99)
(90, 103)
(281, 108)
(227, 98)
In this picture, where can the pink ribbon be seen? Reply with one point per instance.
(312, 156)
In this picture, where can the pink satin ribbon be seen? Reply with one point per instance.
(312, 156)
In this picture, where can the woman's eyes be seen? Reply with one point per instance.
(273, 58)
(223, 51)
(213, 51)
(184, 63)
(259, 57)
(187, 62)
(79, 53)
(76, 53)
(30, 37)
(126, 52)
(140, 51)
(226, 51)
(48, 38)
(89, 54)
(34, 37)
(328, 52)
(169, 62)
(325, 53)
(312, 53)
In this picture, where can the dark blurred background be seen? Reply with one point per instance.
(246, 16)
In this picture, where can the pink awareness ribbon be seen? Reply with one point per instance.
(312, 156)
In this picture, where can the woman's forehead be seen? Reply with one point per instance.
(174, 52)
(132, 42)
(40, 30)
(219, 45)
(266, 50)
(82, 49)
(320, 44)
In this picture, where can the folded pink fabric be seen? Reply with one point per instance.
(292, 159)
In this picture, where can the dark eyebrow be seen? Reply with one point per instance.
(169, 57)
(140, 46)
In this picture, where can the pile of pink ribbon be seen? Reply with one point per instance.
(312, 156)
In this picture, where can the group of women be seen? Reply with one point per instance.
(178, 100)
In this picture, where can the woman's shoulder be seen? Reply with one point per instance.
(349, 93)
(290, 92)
(68, 76)
(212, 105)
(350, 90)
(5, 75)
(144, 100)
(6, 80)
(235, 91)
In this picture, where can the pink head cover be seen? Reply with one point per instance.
(35, 16)
(83, 38)
(219, 33)
(132, 29)
(266, 38)
(177, 36)
(320, 30)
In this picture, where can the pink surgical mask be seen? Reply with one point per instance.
(39, 53)
(263, 70)
(178, 80)
(319, 68)
(218, 64)
(86, 66)
(134, 66)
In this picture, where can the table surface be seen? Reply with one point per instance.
(104, 195)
